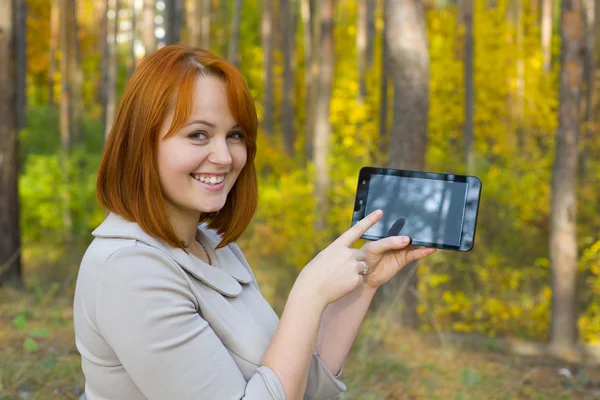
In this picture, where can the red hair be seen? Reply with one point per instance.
(128, 183)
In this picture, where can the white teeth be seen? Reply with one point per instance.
(213, 180)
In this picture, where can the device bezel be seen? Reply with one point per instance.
(471, 207)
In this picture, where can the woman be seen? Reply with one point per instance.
(166, 306)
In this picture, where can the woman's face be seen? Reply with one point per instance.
(199, 164)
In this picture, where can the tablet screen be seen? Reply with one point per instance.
(426, 210)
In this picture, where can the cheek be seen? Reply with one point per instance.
(240, 157)
(178, 160)
(163, 166)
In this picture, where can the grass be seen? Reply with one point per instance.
(38, 358)
(390, 363)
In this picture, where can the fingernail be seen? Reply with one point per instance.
(404, 239)
(378, 213)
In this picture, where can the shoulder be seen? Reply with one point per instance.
(135, 259)
(138, 275)
(122, 276)
(124, 263)
(108, 251)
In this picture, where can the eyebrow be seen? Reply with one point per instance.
(209, 124)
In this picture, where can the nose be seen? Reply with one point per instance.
(220, 154)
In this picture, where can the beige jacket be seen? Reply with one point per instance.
(153, 322)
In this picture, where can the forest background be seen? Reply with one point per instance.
(502, 89)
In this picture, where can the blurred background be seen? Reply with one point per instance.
(503, 89)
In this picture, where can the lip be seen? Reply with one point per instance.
(212, 188)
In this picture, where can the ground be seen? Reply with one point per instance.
(38, 360)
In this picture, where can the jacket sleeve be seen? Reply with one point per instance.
(321, 384)
(148, 315)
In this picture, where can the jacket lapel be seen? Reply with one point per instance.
(226, 277)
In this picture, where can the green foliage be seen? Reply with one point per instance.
(41, 133)
(48, 194)
(20, 322)
(502, 287)
(469, 378)
(589, 323)
(53, 184)
(29, 344)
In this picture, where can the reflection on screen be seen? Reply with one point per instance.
(427, 210)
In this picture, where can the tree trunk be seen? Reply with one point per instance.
(469, 87)
(69, 117)
(132, 55)
(173, 21)
(75, 75)
(54, 38)
(383, 94)
(66, 97)
(307, 33)
(102, 21)
(21, 54)
(294, 14)
(288, 34)
(111, 68)
(408, 66)
(315, 66)
(225, 27)
(107, 26)
(563, 238)
(193, 22)
(267, 43)
(361, 49)
(595, 124)
(547, 34)
(205, 40)
(234, 52)
(370, 51)
(519, 104)
(589, 76)
(322, 142)
(362, 44)
(10, 240)
(460, 18)
(149, 37)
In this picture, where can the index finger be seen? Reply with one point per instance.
(353, 234)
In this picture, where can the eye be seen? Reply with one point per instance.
(198, 135)
(237, 136)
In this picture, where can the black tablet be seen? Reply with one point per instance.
(433, 209)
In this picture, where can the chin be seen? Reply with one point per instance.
(213, 208)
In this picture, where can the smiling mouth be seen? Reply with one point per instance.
(209, 179)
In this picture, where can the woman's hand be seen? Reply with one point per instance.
(335, 271)
(385, 257)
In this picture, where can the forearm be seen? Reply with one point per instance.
(293, 343)
(340, 324)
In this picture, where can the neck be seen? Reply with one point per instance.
(185, 224)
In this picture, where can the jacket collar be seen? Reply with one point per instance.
(226, 277)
